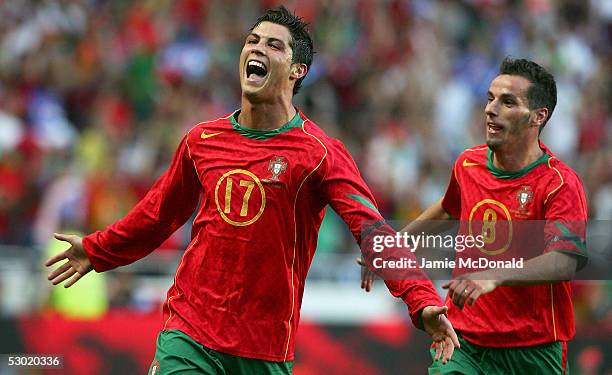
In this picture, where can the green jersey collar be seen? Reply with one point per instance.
(506, 175)
(295, 122)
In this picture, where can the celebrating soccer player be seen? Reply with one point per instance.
(513, 321)
(262, 177)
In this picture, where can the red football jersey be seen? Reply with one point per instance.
(482, 197)
(262, 195)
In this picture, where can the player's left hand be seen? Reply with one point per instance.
(441, 331)
(468, 287)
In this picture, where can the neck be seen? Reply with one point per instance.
(265, 116)
(513, 160)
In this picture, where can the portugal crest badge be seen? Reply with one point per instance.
(524, 196)
(276, 166)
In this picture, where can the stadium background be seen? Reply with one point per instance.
(94, 96)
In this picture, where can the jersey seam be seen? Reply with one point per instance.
(455, 171)
(558, 187)
(477, 149)
(191, 157)
(295, 236)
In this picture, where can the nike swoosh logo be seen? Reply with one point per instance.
(466, 163)
(204, 135)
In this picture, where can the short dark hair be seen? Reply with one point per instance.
(542, 92)
(300, 43)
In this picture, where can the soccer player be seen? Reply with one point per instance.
(518, 320)
(262, 177)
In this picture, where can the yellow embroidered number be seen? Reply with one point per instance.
(245, 200)
(494, 211)
(488, 225)
(228, 196)
(250, 182)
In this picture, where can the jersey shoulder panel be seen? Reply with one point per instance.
(564, 171)
(476, 154)
(557, 174)
(560, 176)
(207, 129)
(482, 148)
(336, 157)
(330, 143)
(313, 137)
(220, 122)
(474, 158)
(313, 130)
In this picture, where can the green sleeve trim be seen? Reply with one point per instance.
(262, 135)
(363, 201)
(368, 229)
(568, 235)
(506, 175)
(421, 322)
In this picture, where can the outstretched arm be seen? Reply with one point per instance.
(167, 206)
(432, 221)
(349, 196)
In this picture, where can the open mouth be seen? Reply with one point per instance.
(494, 128)
(255, 70)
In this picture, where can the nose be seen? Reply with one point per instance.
(258, 49)
(491, 108)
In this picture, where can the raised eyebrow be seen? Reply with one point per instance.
(503, 96)
(270, 39)
(276, 40)
(508, 96)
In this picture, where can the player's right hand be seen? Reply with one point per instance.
(441, 331)
(367, 276)
(77, 264)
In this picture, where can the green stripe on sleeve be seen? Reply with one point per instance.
(568, 235)
(363, 201)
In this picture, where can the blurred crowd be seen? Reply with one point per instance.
(95, 95)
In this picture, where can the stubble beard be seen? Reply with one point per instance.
(494, 144)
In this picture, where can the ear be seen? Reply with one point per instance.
(539, 117)
(298, 71)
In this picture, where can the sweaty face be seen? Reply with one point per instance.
(507, 111)
(265, 62)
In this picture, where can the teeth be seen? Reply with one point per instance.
(256, 63)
